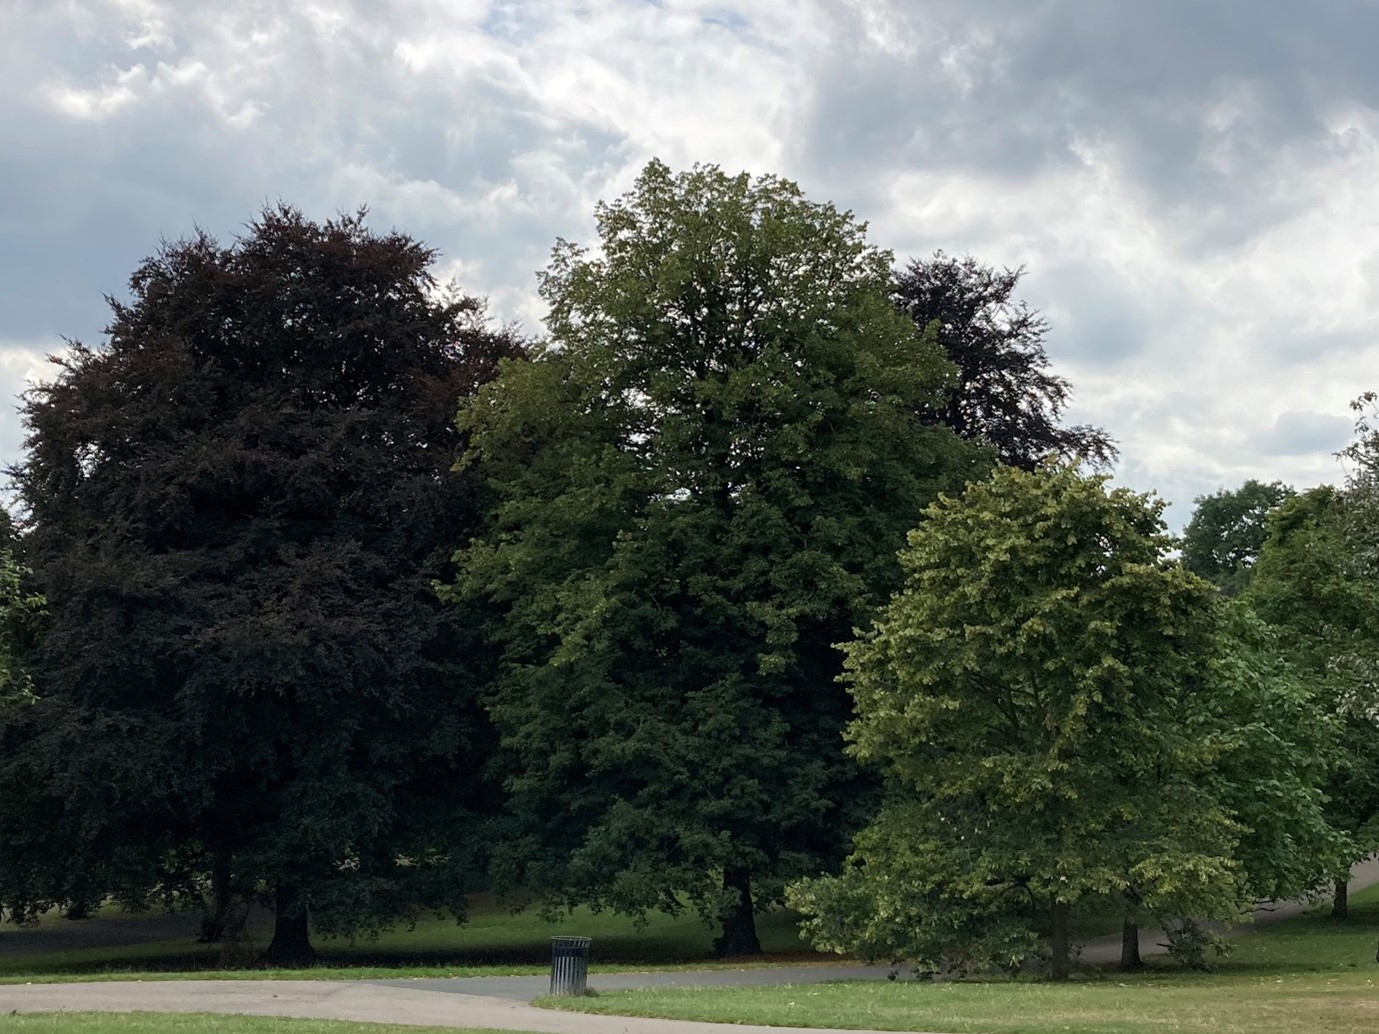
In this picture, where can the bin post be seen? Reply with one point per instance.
(569, 965)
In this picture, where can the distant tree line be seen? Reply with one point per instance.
(770, 559)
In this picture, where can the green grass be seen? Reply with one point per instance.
(201, 1023)
(493, 941)
(1311, 975)
(1226, 1004)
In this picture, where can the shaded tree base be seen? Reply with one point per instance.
(291, 945)
(1130, 961)
(740, 922)
(1340, 901)
(737, 941)
(291, 952)
(1059, 941)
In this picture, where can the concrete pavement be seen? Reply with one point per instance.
(347, 1000)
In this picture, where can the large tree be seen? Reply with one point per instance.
(1311, 584)
(1228, 528)
(20, 614)
(1275, 742)
(237, 506)
(1360, 511)
(1005, 394)
(1024, 695)
(700, 486)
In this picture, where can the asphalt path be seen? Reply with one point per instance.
(347, 1000)
(497, 1002)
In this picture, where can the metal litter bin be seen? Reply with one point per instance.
(569, 965)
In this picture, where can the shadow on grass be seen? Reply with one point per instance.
(495, 940)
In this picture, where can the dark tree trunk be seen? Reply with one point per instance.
(291, 944)
(1058, 940)
(740, 922)
(222, 890)
(1130, 961)
(1340, 902)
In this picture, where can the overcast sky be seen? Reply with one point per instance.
(1192, 185)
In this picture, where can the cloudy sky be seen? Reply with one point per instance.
(1192, 185)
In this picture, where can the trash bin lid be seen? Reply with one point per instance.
(571, 942)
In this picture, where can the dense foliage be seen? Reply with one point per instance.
(701, 485)
(236, 507)
(1227, 531)
(1311, 587)
(1024, 695)
(282, 629)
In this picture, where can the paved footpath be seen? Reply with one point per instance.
(347, 1000)
(498, 1002)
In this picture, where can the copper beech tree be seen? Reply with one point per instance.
(237, 505)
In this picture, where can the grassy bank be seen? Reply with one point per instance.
(494, 940)
(1310, 975)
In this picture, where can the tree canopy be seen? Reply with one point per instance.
(1024, 696)
(700, 485)
(236, 507)
(1310, 585)
(1004, 395)
(1223, 539)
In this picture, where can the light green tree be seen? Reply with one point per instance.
(699, 485)
(19, 608)
(1024, 696)
(1223, 539)
(1313, 585)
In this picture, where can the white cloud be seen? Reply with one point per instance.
(1193, 197)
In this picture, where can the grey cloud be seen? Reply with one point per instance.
(1301, 346)
(89, 197)
(1012, 89)
(241, 105)
(1098, 317)
(1300, 433)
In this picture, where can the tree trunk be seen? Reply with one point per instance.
(1130, 961)
(1058, 940)
(291, 944)
(740, 921)
(213, 926)
(1340, 903)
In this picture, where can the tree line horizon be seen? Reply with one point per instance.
(769, 575)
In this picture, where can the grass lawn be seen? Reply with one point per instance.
(492, 941)
(200, 1023)
(1310, 975)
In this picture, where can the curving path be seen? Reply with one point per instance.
(498, 1002)
(345, 1000)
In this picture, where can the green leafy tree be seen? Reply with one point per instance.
(1004, 394)
(237, 506)
(1312, 586)
(1360, 510)
(1023, 695)
(700, 485)
(20, 611)
(1275, 743)
(1228, 528)
(20, 617)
